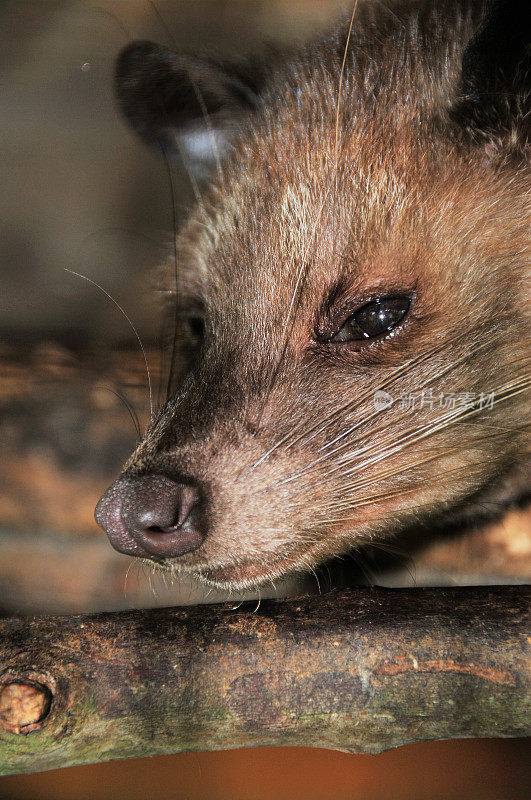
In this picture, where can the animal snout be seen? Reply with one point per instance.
(151, 516)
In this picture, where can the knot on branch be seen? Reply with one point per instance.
(24, 705)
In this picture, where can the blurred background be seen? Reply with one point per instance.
(80, 192)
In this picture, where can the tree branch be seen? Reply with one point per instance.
(359, 670)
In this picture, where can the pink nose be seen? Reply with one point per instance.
(152, 516)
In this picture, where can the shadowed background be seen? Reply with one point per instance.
(80, 192)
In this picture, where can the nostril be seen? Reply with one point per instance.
(158, 529)
(152, 516)
(163, 506)
(163, 516)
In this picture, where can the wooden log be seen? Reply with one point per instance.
(361, 670)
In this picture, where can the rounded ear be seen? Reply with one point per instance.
(184, 104)
(495, 86)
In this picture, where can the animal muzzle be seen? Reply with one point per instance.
(152, 516)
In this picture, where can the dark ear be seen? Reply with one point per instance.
(183, 104)
(495, 87)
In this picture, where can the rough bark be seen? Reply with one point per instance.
(360, 670)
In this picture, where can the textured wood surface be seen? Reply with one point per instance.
(360, 670)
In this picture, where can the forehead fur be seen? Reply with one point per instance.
(329, 165)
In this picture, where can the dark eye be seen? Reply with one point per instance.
(373, 319)
(195, 325)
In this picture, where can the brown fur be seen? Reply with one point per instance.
(327, 200)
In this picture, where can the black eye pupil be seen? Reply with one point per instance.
(373, 319)
(194, 329)
(197, 327)
(382, 315)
